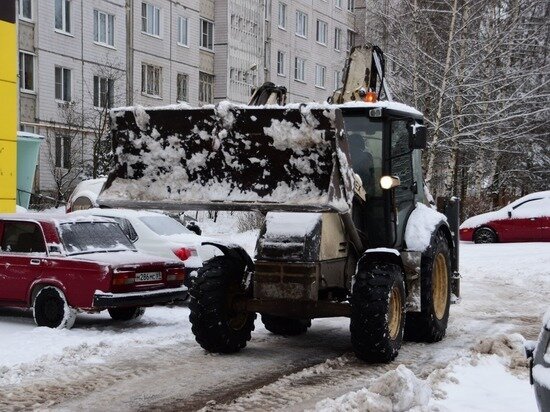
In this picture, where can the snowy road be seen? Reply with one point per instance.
(154, 363)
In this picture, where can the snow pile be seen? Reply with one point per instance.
(509, 347)
(535, 208)
(398, 390)
(420, 226)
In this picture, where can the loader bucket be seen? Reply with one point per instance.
(229, 158)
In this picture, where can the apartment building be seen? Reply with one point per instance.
(80, 57)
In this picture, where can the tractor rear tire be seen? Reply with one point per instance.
(377, 312)
(279, 325)
(218, 325)
(430, 324)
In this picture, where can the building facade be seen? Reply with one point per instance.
(77, 58)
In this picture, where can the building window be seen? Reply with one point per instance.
(63, 15)
(280, 63)
(299, 69)
(150, 80)
(207, 34)
(337, 79)
(182, 87)
(282, 15)
(103, 92)
(183, 31)
(63, 84)
(337, 38)
(350, 42)
(150, 19)
(25, 9)
(104, 28)
(301, 24)
(206, 88)
(62, 151)
(267, 9)
(322, 32)
(351, 5)
(338, 3)
(320, 72)
(26, 71)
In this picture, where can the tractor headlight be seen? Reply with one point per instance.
(389, 182)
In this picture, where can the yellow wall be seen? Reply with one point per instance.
(8, 106)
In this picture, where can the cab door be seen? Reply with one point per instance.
(401, 165)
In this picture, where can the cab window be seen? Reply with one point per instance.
(22, 237)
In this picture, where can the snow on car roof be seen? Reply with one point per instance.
(51, 218)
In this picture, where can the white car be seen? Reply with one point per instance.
(85, 195)
(158, 234)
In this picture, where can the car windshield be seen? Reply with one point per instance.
(164, 225)
(92, 237)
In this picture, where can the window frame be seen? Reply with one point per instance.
(302, 66)
(209, 24)
(65, 17)
(21, 8)
(350, 6)
(350, 38)
(186, 77)
(6, 223)
(210, 85)
(22, 67)
(301, 23)
(182, 19)
(156, 19)
(321, 23)
(282, 7)
(63, 82)
(322, 85)
(337, 39)
(281, 63)
(338, 4)
(145, 80)
(62, 156)
(109, 24)
(337, 79)
(98, 92)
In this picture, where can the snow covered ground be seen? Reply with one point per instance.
(154, 363)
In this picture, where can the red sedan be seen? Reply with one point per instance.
(58, 266)
(525, 220)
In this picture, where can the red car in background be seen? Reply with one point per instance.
(59, 265)
(525, 220)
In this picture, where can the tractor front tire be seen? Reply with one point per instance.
(377, 312)
(218, 324)
(430, 324)
(279, 325)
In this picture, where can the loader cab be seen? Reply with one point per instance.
(381, 143)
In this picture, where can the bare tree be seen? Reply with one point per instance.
(65, 140)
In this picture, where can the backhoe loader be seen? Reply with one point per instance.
(349, 231)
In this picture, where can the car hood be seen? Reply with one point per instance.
(123, 258)
(484, 218)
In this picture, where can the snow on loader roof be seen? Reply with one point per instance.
(230, 157)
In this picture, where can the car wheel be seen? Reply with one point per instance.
(50, 308)
(126, 313)
(485, 235)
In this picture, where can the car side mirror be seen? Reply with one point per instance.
(509, 213)
(417, 135)
(54, 250)
(193, 227)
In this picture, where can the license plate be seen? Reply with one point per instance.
(148, 276)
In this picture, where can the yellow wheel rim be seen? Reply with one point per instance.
(395, 313)
(440, 286)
